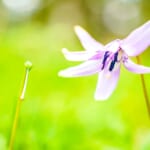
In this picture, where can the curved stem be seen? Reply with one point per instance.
(28, 66)
(144, 89)
(15, 122)
(25, 85)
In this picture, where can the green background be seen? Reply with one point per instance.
(61, 113)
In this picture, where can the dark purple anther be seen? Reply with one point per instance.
(106, 55)
(112, 65)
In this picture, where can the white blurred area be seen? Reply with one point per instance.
(21, 7)
(121, 16)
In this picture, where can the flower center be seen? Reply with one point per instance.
(110, 59)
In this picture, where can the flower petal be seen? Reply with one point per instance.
(107, 82)
(137, 41)
(139, 69)
(79, 55)
(87, 41)
(113, 46)
(84, 69)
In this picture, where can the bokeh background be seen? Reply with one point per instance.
(60, 113)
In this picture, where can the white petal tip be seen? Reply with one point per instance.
(61, 74)
(98, 98)
(64, 74)
(77, 28)
(64, 50)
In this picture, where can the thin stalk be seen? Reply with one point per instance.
(144, 89)
(28, 66)
(15, 122)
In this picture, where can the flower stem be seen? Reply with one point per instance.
(28, 66)
(144, 89)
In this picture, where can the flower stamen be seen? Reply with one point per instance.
(106, 55)
(112, 65)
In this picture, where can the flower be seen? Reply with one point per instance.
(107, 59)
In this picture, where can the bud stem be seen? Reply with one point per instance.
(25, 84)
(28, 66)
(144, 89)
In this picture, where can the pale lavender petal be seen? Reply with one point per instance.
(107, 82)
(113, 46)
(137, 41)
(87, 41)
(139, 69)
(79, 55)
(84, 69)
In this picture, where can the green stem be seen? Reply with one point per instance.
(144, 89)
(14, 127)
(28, 66)
(25, 84)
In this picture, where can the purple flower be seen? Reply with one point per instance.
(107, 59)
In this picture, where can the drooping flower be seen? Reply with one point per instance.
(107, 59)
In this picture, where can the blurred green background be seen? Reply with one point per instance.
(61, 113)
